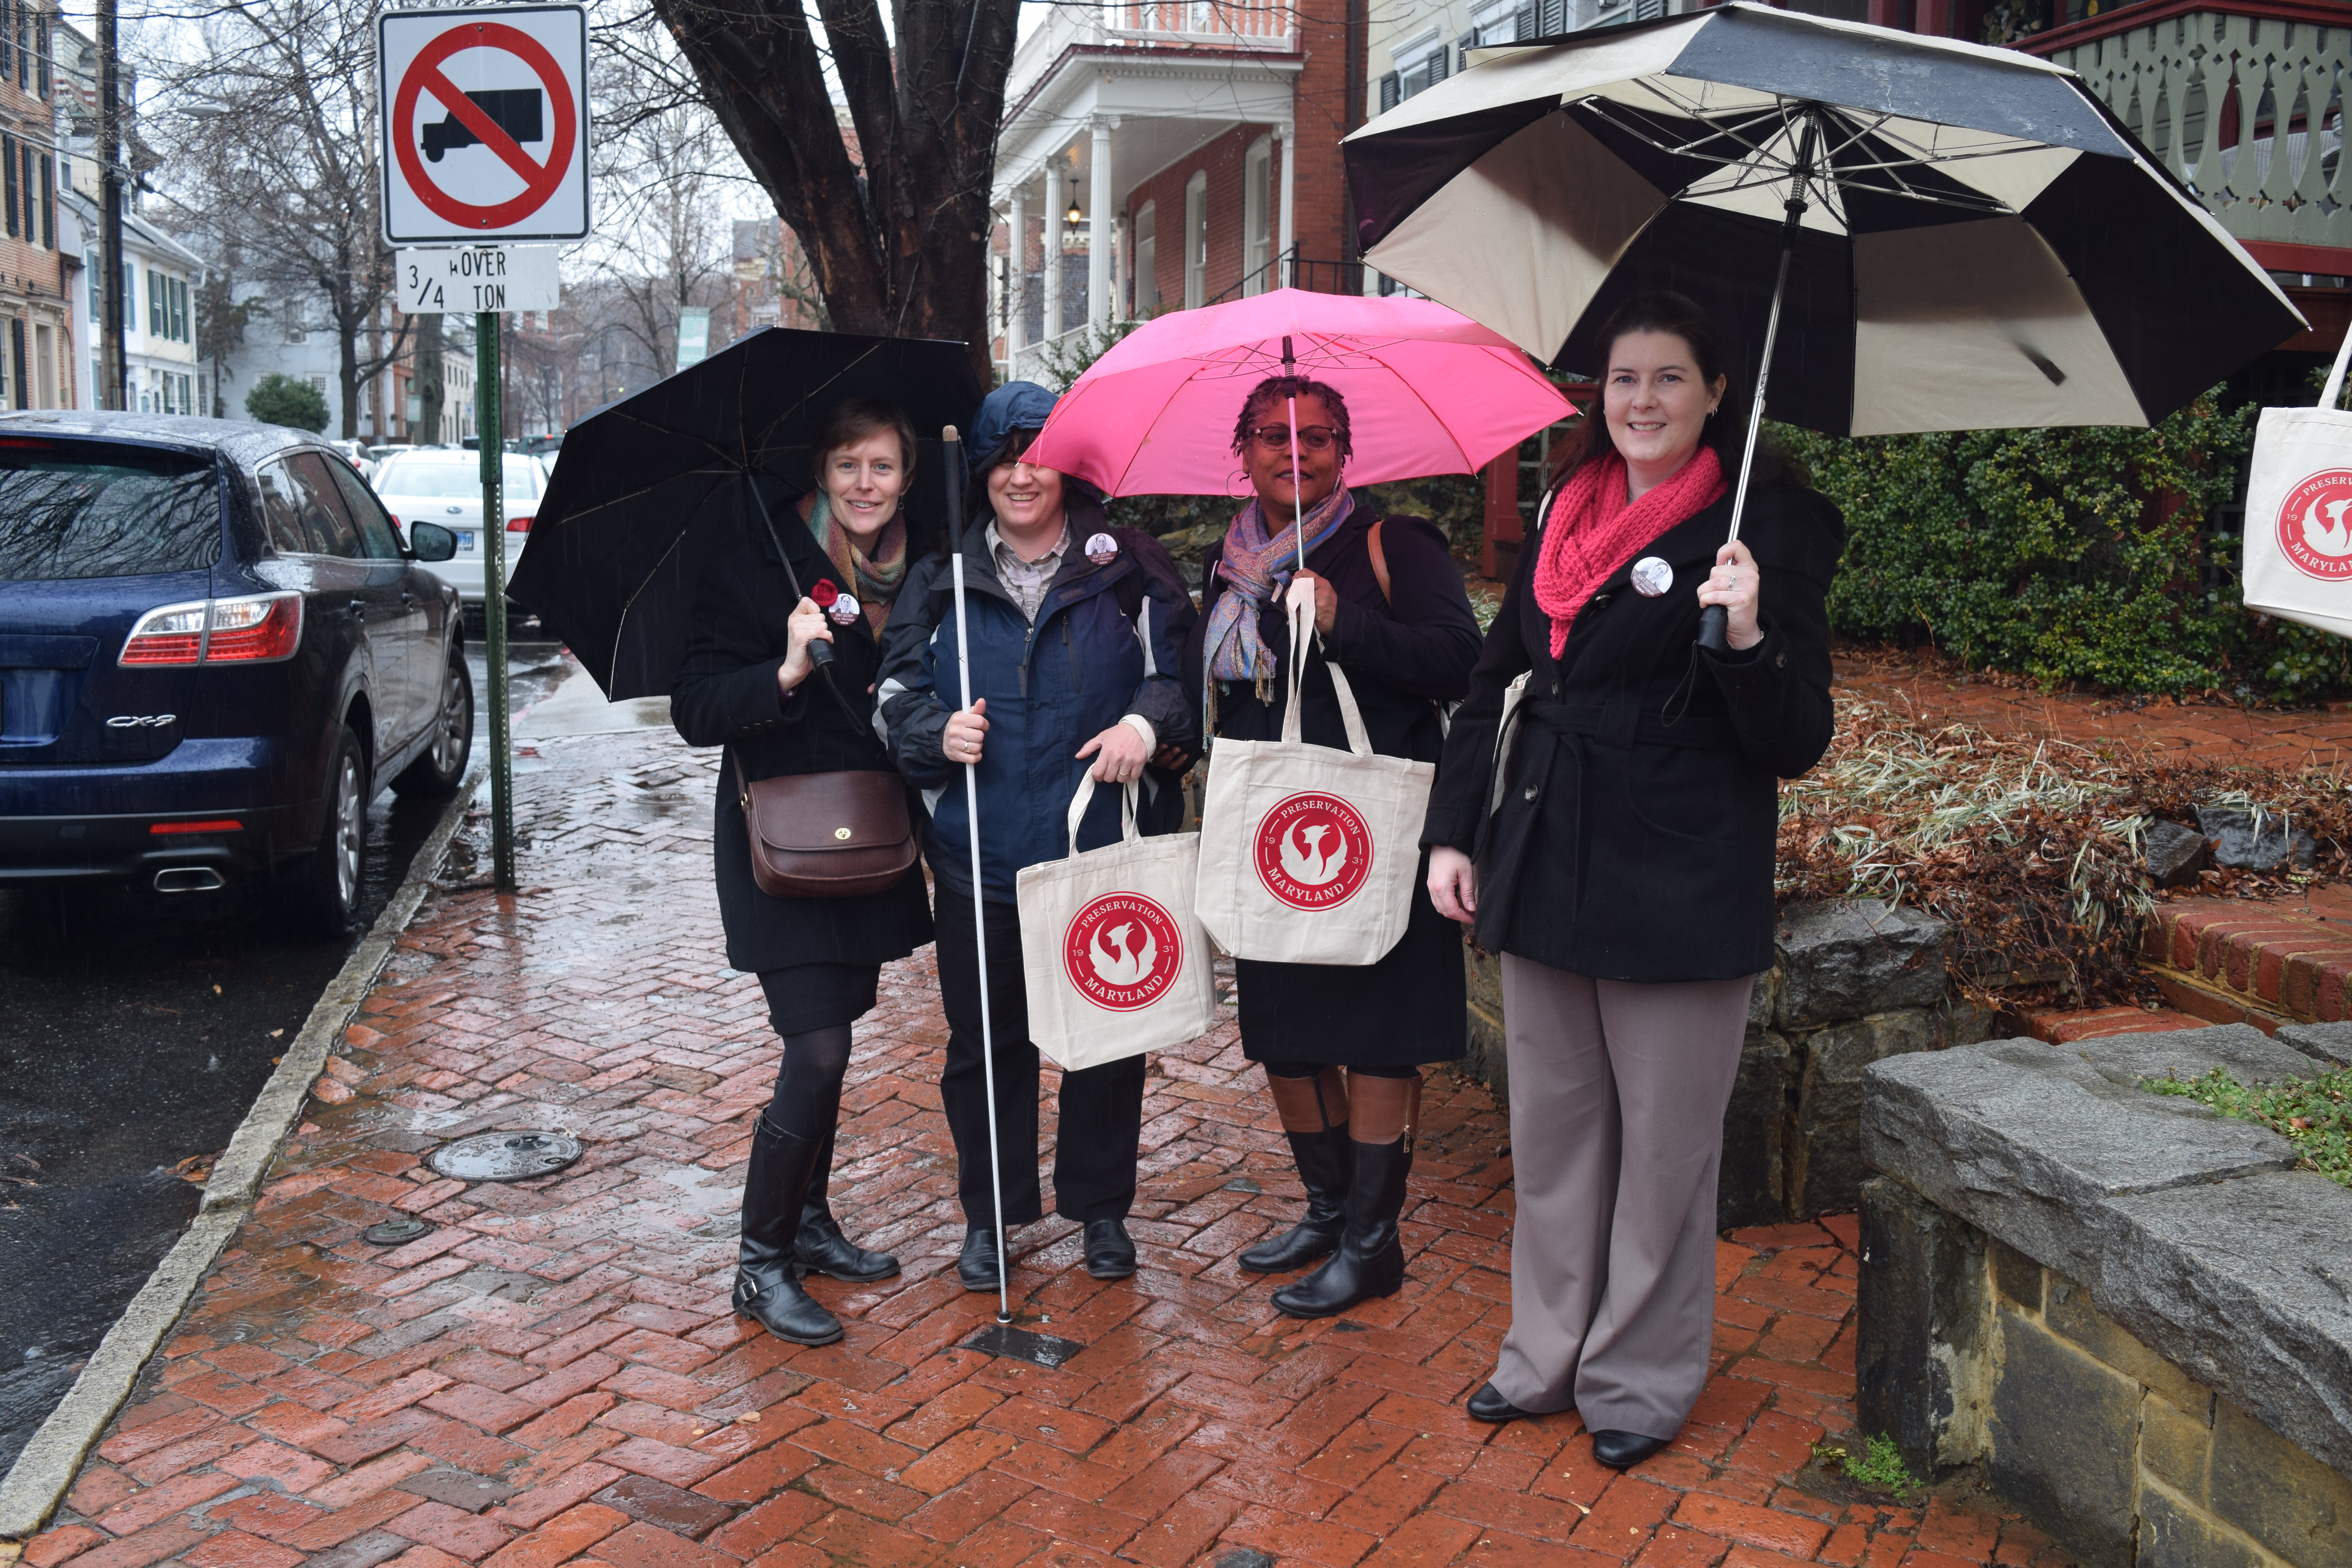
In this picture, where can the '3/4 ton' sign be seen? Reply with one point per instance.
(470, 280)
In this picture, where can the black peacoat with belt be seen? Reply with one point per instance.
(1634, 835)
(724, 694)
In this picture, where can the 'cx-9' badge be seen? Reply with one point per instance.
(142, 720)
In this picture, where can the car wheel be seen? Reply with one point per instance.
(443, 766)
(323, 897)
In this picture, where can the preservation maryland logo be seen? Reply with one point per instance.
(1123, 952)
(1313, 851)
(2313, 530)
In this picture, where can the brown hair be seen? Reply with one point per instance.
(1279, 389)
(1679, 315)
(852, 420)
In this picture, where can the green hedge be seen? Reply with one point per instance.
(2101, 555)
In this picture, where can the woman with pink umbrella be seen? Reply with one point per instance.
(1308, 394)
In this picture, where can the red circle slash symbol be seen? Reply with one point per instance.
(540, 180)
(1122, 951)
(1313, 851)
(2314, 526)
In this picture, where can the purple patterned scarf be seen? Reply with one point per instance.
(1256, 567)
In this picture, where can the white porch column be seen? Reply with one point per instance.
(1283, 135)
(1017, 325)
(1098, 198)
(1053, 261)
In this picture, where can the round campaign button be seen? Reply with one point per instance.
(2313, 530)
(1651, 576)
(843, 608)
(1101, 548)
(1122, 951)
(1313, 851)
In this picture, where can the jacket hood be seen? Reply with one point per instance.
(1016, 406)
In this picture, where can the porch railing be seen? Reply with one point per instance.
(2242, 100)
(1293, 271)
(1144, 24)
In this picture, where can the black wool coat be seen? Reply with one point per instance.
(1635, 832)
(725, 695)
(1404, 653)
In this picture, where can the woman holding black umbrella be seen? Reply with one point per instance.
(749, 683)
(1390, 609)
(1622, 864)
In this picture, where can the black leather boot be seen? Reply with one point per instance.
(1324, 1160)
(820, 1249)
(977, 1265)
(1370, 1259)
(766, 1291)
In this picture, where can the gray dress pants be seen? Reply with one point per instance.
(1618, 1093)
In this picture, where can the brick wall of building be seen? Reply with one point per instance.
(36, 343)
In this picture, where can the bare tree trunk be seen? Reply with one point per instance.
(427, 380)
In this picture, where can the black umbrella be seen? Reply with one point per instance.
(1935, 235)
(642, 483)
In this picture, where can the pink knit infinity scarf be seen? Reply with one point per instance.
(1593, 531)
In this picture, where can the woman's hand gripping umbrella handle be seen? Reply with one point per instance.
(951, 457)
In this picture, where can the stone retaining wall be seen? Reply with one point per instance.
(1855, 982)
(2137, 1315)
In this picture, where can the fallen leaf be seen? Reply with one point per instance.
(217, 990)
(275, 1032)
(749, 1419)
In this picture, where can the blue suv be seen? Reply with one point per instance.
(215, 647)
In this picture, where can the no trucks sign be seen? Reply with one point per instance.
(485, 124)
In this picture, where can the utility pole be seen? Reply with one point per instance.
(114, 372)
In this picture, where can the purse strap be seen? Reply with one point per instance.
(1301, 609)
(1129, 831)
(825, 671)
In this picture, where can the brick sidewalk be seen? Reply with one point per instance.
(552, 1374)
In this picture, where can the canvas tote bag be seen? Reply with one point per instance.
(2298, 532)
(1309, 855)
(1115, 960)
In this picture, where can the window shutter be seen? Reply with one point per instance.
(24, 45)
(7, 39)
(1436, 65)
(181, 317)
(1466, 43)
(159, 319)
(9, 190)
(41, 55)
(1392, 92)
(1523, 25)
(17, 360)
(89, 270)
(49, 202)
(1551, 17)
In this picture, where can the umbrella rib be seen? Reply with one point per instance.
(620, 627)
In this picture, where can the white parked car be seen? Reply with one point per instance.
(444, 485)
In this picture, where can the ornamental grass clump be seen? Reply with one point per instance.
(2314, 1115)
(2031, 847)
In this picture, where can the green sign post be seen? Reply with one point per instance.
(494, 595)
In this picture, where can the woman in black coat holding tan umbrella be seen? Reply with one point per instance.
(1391, 611)
(748, 683)
(1623, 866)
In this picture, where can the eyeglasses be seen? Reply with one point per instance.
(1311, 437)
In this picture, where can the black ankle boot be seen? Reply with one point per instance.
(1324, 1160)
(977, 1265)
(820, 1249)
(1370, 1259)
(782, 1165)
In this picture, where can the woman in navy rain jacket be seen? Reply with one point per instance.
(1075, 630)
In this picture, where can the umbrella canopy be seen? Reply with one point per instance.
(610, 564)
(1984, 245)
(1429, 392)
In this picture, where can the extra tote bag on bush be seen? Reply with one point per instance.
(1116, 962)
(1307, 854)
(2298, 558)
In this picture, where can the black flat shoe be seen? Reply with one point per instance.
(1488, 1406)
(976, 1265)
(1110, 1254)
(1623, 1450)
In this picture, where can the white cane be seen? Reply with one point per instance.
(952, 461)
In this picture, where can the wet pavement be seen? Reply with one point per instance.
(552, 1374)
(136, 1030)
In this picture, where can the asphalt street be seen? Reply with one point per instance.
(135, 1031)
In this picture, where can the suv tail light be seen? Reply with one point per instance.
(518, 524)
(256, 629)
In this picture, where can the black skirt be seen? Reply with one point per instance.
(1409, 1008)
(805, 997)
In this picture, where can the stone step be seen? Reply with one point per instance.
(2064, 1026)
(2229, 961)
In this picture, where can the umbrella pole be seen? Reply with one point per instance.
(951, 457)
(1715, 621)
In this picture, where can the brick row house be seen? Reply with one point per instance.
(36, 346)
(1165, 153)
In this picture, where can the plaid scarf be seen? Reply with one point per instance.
(1594, 530)
(1258, 567)
(875, 577)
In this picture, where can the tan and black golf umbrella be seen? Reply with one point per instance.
(1977, 244)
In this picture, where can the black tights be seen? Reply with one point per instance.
(808, 1082)
(1309, 1069)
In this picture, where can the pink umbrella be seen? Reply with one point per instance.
(1429, 391)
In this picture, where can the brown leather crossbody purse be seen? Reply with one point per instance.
(825, 835)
